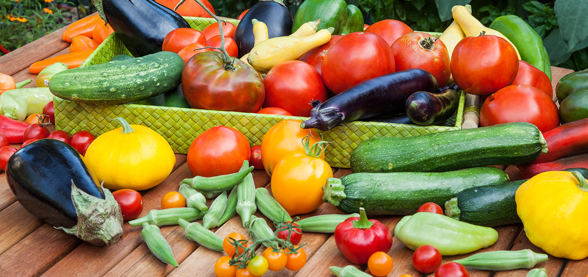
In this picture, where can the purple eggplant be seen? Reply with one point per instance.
(381, 96)
(426, 108)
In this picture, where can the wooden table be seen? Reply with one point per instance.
(28, 247)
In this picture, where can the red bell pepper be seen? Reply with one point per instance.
(530, 170)
(358, 238)
(12, 129)
(565, 140)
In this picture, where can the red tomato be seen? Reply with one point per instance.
(191, 50)
(60, 135)
(426, 259)
(130, 201)
(430, 207)
(50, 111)
(81, 141)
(212, 30)
(179, 38)
(274, 110)
(521, 103)
(217, 151)
(315, 56)
(255, 159)
(421, 50)
(292, 86)
(230, 45)
(484, 64)
(389, 29)
(355, 58)
(451, 269)
(530, 75)
(295, 236)
(29, 141)
(3, 141)
(35, 131)
(242, 14)
(5, 154)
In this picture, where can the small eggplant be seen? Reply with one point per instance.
(51, 181)
(381, 96)
(425, 108)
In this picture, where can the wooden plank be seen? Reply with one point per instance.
(25, 74)
(6, 195)
(16, 223)
(576, 268)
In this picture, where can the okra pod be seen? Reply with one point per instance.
(261, 230)
(217, 183)
(211, 194)
(323, 223)
(157, 244)
(217, 208)
(194, 199)
(231, 205)
(503, 260)
(246, 199)
(195, 232)
(270, 207)
(168, 216)
(537, 272)
(348, 271)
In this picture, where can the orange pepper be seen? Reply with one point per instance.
(101, 32)
(72, 60)
(6, 83)
(82, 43)
(84, 27)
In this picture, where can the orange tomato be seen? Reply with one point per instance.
(230, 248)
(276, 260)
(173, 199)
(244, 272)
(222, 268)
(380, 264)
(37, 119)
(296, 261)
(6, 83)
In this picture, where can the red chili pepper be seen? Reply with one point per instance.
(565, 140)
(530, 170)
(358, 238)
(12, 129)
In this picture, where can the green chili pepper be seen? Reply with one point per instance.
(449, 236)
(348, 271)
(23, 83)
(323, 223)
(262, 231)
(168, 216)
(195, 232)
(270, 207)
(20, 102)
(157, 244)
(343, 18)
(246, 199)
(503, 260)
(217, 208)
(230, 211)
(537, 272)
(217, 183)
(194, 199)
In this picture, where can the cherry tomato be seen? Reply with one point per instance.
(244, 272)
(421, 50)
(451, 269)
(430, 207)
(426, 259)
(484, 64)
(28, 141)
(130, 201)
(295, 236)
(230, 248)
(81, 140)
(520, 103)
(192, 49)
(316, 56)
(274, 110)
(230, 45)
(258, 265)
(405, 275)
(217, 151)
(380, 264)
(292, 86)
(3, 141)
(355, 58)
(60, 135)
(530, 75)
(35, 131)
(179, 38)
(242, 14)
(50, 111)
(276, 260)
(222, 268)
(37, 119)
(255, 159)
(5, 154)
(389, 29)
(173, 199)
(297, 260)
(213, 30)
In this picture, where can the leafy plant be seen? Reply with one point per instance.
(233, 8)
(420, 15)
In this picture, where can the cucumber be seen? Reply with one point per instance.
(120, 81)
(502, 144)
(402, 193)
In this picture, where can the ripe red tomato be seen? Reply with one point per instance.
(81, 140)
(484, 64)
(274, 110)
(255, 159)
(520, 103)
(292, 86)
(389, 29)
(130, 201)
(421, 50)
(230, 45)
(355, 58)
(295, 236)
(242, 14)
(50, 111)
(213, 30)
(179, 38)
(430, 207)
(3, 141)
(426, 259)
(5, 154)
(530, 75)
(35, 131)
(192, 49)
(316, 56)
(60, 135)
(451, 269)
(29, 141)
(217, 151)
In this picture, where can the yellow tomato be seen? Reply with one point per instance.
(173, 199)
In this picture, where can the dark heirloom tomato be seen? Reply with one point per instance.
(315, 56)
(530, 75)
(211, 83)
(389, 29)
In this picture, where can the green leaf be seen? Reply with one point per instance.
(534, 7)
(571, 17)
(423, 24)
(581, 59)
(434, 20)
(556, 47)
(413, 16)
(444, 7)
(418, 4)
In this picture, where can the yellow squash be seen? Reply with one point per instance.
(553, 207)
(132, 156)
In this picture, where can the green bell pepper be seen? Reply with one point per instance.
(21, 102)
(571, 83)
(332, 13)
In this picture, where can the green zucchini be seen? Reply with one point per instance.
(120, 81)
(402, 193)
(509, 143)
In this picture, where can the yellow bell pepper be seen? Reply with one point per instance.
(553, 207)
(132, 156)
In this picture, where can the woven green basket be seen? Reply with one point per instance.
(180, 126)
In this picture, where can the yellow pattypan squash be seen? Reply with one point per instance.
(553, 206)
(132, 156)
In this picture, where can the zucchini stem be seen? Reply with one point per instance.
(452, 208)
(363, 222)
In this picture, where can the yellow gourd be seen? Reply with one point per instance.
(553, 207)
(132, 156)
(260, 33)
(307, 28)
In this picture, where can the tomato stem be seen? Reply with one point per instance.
(428, 43)
(317, 149)
(126, 127)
